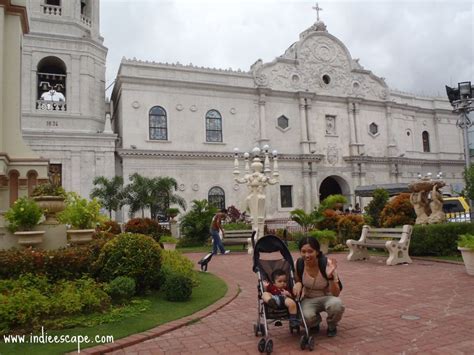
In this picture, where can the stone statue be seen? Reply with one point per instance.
(419, 200)
(437, 215)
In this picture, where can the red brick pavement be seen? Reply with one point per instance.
(376, 297)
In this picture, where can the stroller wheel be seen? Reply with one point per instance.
(310, 343)
(269, 346)
(303, 342)
(261, 345)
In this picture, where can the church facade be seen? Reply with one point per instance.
(335, 125)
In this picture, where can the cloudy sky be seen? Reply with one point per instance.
(418, 46)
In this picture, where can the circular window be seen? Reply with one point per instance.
(326, 79)
(295, 78)
(408, 133)
(356, 85)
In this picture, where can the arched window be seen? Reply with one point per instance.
(13, 179)
(213, 126)
(51, 88)
(158, 124)
(32, 178)
(426, 141)
(216, 197)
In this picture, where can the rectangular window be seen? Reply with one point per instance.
(285, 196)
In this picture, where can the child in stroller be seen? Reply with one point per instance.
(269, 255)
(277, 295)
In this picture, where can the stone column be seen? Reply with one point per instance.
(262, 117)
(304, 127)
(391, 144)
(314, 186)
(307, 187)
(436, 141)
(356, 147)
(310, 127)
(75, 181)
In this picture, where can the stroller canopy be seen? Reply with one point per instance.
(270, 244)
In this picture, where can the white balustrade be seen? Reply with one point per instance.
(51, 105)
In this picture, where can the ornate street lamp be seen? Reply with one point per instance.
(257, 176)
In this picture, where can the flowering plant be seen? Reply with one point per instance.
(23, 215)
(80, 213)
(48, 189)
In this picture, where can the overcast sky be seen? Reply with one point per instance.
(417, 46)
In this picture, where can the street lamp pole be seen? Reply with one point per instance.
(461, 99)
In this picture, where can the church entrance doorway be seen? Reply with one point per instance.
(333, 185)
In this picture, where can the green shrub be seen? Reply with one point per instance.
(48, 189)
(173, 261)
(236, 226)
(110, 227)
(177, 287)
(168, 239)
(121, 289)
(438, 239)
(349, 227)
(23, 215)
(146, 226)
(80, 213)
(375, 207)
(466, 241)
(27, 302)
(134, 255)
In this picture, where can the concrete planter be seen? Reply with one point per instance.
(80, 236)
(51, 205)
(169, 246)
(468, 258)
(30, 238)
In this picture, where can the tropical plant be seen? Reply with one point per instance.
(306, 220)
(168, 239)
(375, 207)
(109, 192)
(398, 211)
(324, 236)
(48, 189)
(466, 241)
(195, 224)
(155, 194)
(80, 213)
(469, 180)
(172, 212)
(23, 215)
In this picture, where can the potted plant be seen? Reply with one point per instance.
(168, 242)
(172, 213)
(466, 246)
(22, 217)
(324, 237)
(50, 198)
(82, 216)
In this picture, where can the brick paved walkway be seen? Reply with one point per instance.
(376, 297)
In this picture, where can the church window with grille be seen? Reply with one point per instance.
(216, 197)
(426, 141)
(286, 197)
(283, 122)
(213, 126)
(53, 2)
(158, 124)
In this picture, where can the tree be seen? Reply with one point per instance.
(469, 180)
(195, 224)
(375, 207)
(109, 192)
(305, 220)
(155, 194)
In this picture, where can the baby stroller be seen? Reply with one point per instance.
(265, 260)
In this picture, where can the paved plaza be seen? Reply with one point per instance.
(426, 307)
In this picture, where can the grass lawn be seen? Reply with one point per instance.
(160, 311)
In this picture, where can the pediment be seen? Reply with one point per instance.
(319, 63)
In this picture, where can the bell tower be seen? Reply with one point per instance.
(63, 94)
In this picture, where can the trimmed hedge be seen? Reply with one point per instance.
(438, 239)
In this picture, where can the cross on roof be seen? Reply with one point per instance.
(317, 8)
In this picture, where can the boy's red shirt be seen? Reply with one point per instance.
(275, 290)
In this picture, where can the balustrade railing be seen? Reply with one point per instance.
(44, 105)
(87, 21)
(51, 9)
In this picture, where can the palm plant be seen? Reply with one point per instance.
(155, 194)
(195, 224)
(305, 220)
(109, 192)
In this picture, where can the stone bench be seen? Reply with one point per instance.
(236, 237)
(395, 240)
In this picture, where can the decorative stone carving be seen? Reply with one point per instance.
(135, 104)
(332, 154)
(193, 108)
(181, 187)
(195, 187)
(233, 111)
(427, 212)
(331, 125)
(179, 107)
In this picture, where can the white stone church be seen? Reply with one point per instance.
(335, 124)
